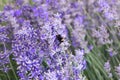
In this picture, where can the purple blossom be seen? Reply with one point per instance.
(112, 52)
(17, 13)
(39, 41)
(78, 34)
(102, 35)
(19, 2)
(51, 75)
(107, 68)
(117, 69)
(109, 12)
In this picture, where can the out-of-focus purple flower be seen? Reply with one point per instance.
(117, 69)
(17, 13)
(107, 67)
(19, 2)
(109, 12)
(7, 8)
(79, 34)
(102, 35)
(41, 12)
(111, 51)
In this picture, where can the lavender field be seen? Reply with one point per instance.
(59, 39)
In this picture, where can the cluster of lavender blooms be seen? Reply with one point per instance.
(38, 39)
(4, 52)
(109, 9)
(48, 39)
(101, 34)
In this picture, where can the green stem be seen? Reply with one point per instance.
(13, 70)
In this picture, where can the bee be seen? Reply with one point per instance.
(59, 38)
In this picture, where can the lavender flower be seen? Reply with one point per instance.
(51, 75)
(39, 41)
(112, 52)
(102, 35)
(79, 34)
(3, 34)
(117, 69)
(107, 67)
(109, 12)
(25, 53)
(50, 32)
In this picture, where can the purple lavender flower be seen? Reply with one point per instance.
(3, 34)
(19, 2)
(107, 67)
(51, 75)
(102, 35)
(40, 43)
(112, 52)
(117, 69)
(78, 34)
(109, 12)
